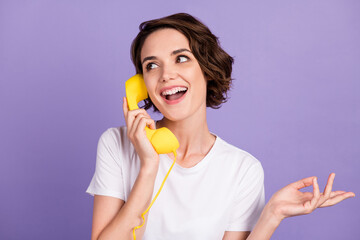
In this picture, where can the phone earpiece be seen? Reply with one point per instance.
(162, 139)
(136, 91)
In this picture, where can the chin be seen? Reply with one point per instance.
(174, 116)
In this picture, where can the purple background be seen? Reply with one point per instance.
(295, 104)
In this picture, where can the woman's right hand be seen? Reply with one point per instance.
(136, 121)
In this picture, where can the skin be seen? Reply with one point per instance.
(114, 219)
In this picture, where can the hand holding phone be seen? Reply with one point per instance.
(163, 140)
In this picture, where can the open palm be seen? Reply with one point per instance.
(289, 201)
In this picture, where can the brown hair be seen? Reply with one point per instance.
(215, 63)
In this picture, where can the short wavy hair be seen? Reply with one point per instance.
(214, 62)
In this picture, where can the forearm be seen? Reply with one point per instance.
(129, 216)
(265, 226)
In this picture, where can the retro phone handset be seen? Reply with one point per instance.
(163, 140)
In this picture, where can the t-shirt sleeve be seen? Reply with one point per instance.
(249, 201)
(108, 178)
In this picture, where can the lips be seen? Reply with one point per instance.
(173, 94)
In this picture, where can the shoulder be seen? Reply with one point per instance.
(115, 139)
(114, 134)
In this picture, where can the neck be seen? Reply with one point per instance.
(193, 135)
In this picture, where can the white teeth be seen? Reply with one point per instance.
(173, 91)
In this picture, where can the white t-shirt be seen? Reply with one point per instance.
(223, 192)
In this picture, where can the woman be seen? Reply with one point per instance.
(215, 190)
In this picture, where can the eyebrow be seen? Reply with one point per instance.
(173, 53)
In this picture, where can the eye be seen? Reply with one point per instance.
(182, 58)
(151, 66)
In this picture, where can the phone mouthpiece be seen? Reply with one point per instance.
(162, 139)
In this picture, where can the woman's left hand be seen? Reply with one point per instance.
(289, 201)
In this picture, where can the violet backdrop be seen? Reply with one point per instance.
(295, 104)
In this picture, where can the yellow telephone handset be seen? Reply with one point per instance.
(162, 139)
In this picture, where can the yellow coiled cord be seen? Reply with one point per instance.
(152, 202)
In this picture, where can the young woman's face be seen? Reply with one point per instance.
(172, 75)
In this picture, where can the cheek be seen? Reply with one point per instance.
(201, 81)
(149, 80)
(151, 88)
(193, 74)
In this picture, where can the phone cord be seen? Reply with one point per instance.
(157, 194)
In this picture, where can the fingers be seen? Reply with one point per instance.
(328, 188)
(337, 197)
(136, 120)
(327, 191)
(131, 112)
(307, 196)
(140, 122)
(328, 198)
(125, 108)
(134, 114)
(305, 182)
(335, 193)
(314, 201)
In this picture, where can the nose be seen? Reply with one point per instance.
(168, 73)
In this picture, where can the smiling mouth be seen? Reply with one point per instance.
(174, 94)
